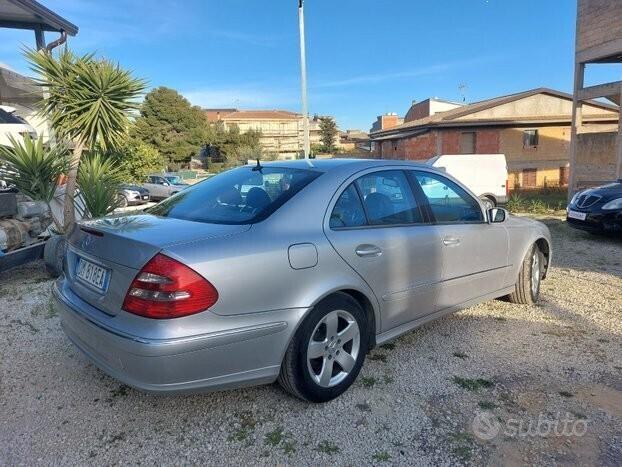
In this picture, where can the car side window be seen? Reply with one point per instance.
(348, 211)
(448, 201)
(388, 199)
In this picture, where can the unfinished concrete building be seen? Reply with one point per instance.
(596, 153)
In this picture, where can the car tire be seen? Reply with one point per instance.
(527, 287)
(54, 255)
(123, 202)
(319, 365)
(488, 202)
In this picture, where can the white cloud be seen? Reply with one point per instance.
(395, 75)
(240, 97)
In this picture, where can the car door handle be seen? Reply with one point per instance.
(368, 250)
(449, 241)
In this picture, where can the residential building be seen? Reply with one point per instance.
(386, 121)
(532, 128)
(354, 141)
(595, 155)
(281, 130)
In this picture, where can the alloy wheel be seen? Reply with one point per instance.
(333, 348)
(535, 274)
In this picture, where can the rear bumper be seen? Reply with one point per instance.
(239, 356)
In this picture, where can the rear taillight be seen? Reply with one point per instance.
(166, 288)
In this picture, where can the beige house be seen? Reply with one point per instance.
(281, 130)
(532, 128)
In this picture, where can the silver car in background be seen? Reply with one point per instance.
(290, 271)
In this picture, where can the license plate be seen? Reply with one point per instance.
(577, 215)
(92, 274)
(145, 197)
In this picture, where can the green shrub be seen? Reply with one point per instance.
(98, 181)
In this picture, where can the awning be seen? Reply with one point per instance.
(18, 90)
(29, 14)
(399, 135)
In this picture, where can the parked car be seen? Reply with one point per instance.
(132, 195)
(486, 175)
(13, 125)
(211, 290)
(161, 186)
(597, 210)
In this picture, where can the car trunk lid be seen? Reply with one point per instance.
(105, 255)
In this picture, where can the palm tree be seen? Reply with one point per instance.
(98, 181)
(33, 168)
(87, 101)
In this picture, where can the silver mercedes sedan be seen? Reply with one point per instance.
(288, 271)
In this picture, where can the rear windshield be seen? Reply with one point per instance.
(239, 196)
(174, 179)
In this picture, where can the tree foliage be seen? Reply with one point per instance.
(136, 160)
(170, 124)
(328, 133)
(229, 146)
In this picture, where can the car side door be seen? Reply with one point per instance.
(377, 226)
(474, 251)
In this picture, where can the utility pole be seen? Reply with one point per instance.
(306, 145)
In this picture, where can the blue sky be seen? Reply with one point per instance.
(365, 57)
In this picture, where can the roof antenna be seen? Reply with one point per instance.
(258, 166)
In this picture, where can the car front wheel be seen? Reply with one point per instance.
(527, 287)
(327, 351)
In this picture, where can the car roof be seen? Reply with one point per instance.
(325, 165)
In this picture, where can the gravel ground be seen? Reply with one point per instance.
(483, 386)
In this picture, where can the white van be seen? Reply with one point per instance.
(486, 175)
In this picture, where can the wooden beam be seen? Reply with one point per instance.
(600, 90)
(39, 37)
(599, 52)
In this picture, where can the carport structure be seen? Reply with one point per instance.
(595, 157)
(29, 14)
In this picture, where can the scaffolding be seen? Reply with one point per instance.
(598, 41)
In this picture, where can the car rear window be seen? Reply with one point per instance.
(240, 196)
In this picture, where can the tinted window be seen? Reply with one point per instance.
(388, 198)
(6, 117)
(239, 196)
(449, 202)
(348, 211)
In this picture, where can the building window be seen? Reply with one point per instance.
(530, 138)
(467, 142)
(530, 177)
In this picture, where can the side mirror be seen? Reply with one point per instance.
(497, 215)
(166, 184)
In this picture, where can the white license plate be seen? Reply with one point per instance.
(92, 274)
(145, 197)
(577, 215)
